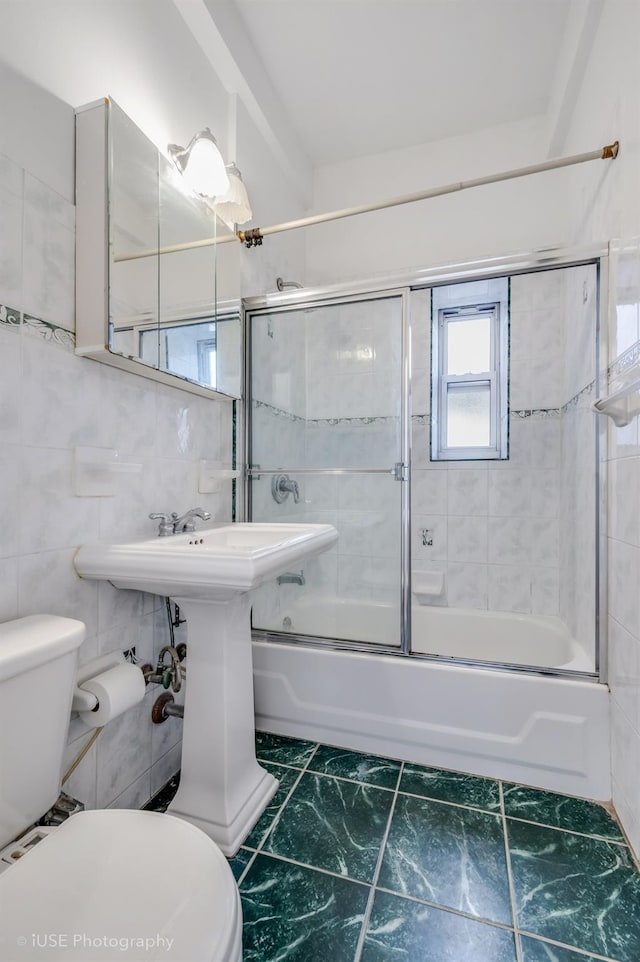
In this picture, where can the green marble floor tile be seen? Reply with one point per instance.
(239, 862)
(534, 951)
(576, 890)
(370, 769)
(407, 931)
(287, 778)
(448, 855)
(334, 825)
(282, 750)
(446, 786)
(298, 914)
(561, 811)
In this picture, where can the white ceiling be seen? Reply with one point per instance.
(356, 77)
(323, 80)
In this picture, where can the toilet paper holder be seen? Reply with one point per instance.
(86, 700)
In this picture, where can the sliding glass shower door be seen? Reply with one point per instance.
(327, 424)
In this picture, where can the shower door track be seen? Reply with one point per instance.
(391, 651)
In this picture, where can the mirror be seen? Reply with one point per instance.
(174, 313)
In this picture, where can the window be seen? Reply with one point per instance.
(187, 349)
(469, 372)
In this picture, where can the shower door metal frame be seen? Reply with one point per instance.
(400, 471)
(404, 283)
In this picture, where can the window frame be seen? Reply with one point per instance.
(496, 378)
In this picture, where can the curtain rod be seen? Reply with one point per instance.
(253, 236)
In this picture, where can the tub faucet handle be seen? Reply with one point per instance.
(282, 486)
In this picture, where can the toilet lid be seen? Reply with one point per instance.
(121, 885)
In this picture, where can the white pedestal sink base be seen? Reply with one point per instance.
(223, 790)
(228, 837)
(210, 573)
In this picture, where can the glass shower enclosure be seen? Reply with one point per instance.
(346, 423)
(328, 442)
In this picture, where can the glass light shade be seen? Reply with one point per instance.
(202, 165)
(233, 207)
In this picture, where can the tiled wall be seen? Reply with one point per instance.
(494, 523)
(498, 530)
(577, 473)
(52, 402)
(623, 492)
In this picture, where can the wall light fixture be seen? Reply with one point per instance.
(233, 206)
(201, 164)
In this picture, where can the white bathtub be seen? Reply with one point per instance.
(547, 732)
(504, 637)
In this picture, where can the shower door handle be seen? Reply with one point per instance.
(400, 471)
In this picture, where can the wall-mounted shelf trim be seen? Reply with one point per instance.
(623, 405)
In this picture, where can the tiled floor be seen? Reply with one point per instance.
(363, 859)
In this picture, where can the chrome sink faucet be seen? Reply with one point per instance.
(173, 524)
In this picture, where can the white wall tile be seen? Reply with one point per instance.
(429, 491)
(508, 541)
(624, 581)
(467, 492)
(135, 794)
(624, 671)
(467, 539)
(509, 492)
(625, 759)
(509, 588)
(11, 176)
(49, 251)
(62, 398)
(542, 536)
(624, 500)
(8, 589)
(124, 754)
(165, 768)
(56, 517)
(10, 249)
(428, 527)
(11, 395)
(82, 783)
(545, 591)
(10, 502)
(467, 585)
(48, 584)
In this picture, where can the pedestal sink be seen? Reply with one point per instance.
(223, 790)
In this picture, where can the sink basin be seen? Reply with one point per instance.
(216, 562)
(223, 790)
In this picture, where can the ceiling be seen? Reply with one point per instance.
(323, 81)
(357, 77)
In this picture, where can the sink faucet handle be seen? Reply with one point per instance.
(187, 522)
(166, 524)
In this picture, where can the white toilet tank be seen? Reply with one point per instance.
(38, 657)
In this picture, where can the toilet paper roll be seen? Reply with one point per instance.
(117, 690)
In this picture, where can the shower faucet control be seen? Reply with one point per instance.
(282, 486)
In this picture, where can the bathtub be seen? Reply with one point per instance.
(507, 638)
(548, 732)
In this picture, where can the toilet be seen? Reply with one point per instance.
(104, 885)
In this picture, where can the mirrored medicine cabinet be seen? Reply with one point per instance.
(173, 316)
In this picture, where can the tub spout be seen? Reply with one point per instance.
(291, 578)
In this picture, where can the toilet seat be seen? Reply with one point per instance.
(121, 875)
